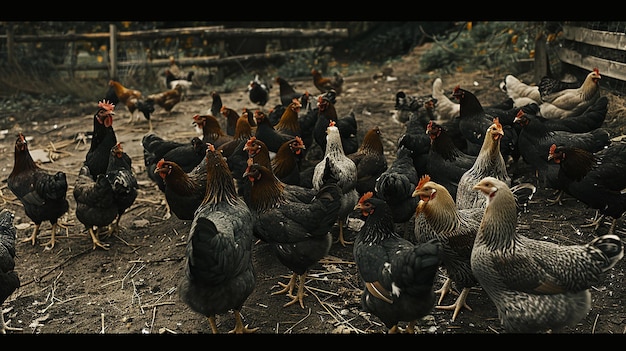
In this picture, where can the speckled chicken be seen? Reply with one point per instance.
(536, 285)
(218, 270)
(9, 279)
(438, 217)
(398, 276)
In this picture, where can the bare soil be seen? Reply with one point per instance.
(131, 288)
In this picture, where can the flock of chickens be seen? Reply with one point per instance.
(284, 177)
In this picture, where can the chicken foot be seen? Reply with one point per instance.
(341, 239)
(239, 327)
(96, 240)
(3, 325)
(458, 304)
(33, 237)
(444, 290)
(288, 289)
(410, 329)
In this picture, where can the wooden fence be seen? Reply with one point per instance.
(218, 33)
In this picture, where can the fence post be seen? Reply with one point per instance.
(113, 51)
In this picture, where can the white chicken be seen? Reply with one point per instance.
(521, 93)
(344, 169)
(446, 109)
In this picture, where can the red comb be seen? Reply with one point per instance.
(423, 180)
(105, 104)
(366, 196)
(552, 148)
(160, 163)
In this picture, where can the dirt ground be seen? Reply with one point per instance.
(131, 288)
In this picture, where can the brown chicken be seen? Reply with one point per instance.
(572, 102)
(166, 100)
(437, 217)
(325, 84)
(184, 191)
(218, 270)
(231, 119)
(536, 285)
(43, 194)
(298, 232)
(286, 163)
(211, 130)
(370, 161)
(131, 98)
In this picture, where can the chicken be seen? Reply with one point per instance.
(396, 185)
(489, 162)
(42, 193)
(268, 133)
(521, 93)
(572, 102)
(536, 285)
(103, 139)
(259, 91)
(437, 217)
(286, 164)
(243, 132)
(231, 119)
(370, 161)
(216, 104)
(297, 232)
(347, 124)
(548, 85)
(445, 163)
(406, 106)
(219, 272)
(535, 140)
(286, 91)
(185, 83)
(95, 205)
(123, 181)
(184, 191)
(9, 279)
(345, 170)
(398, 275)
(325, 84)
(596, 179)
(211, 130)
(446, 108)
(131, 98)
(166, 99)
(186, 155)
(590, 119)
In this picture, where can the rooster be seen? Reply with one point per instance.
(572, 102)
(42, 193)
(397, 274)
(345, 170)
(437, 217)
(536, 285)
(103, 139)
(132, 99)
(326, 84)
(9, 279)
(298, 232)
(218, 270)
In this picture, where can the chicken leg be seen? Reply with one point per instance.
(458, 304)
(96, 240)
(33, 237)
(3, 326)
(239, 327)
(340, 238)
(288, 289)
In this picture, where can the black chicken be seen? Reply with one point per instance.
(286, 91)
(397, 274)
(123, 181)
(259, 91)
(184, 191)
(95, 205)
(216, 104)
(9, 279)
(219, 273)
(43, 195)
(596, 179)
(298, 232)
(347, 124)
(103, 139)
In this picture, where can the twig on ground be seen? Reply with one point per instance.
(298, 322)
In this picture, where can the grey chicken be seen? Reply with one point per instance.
(536, 285)
(9, 279)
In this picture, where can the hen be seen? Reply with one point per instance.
(521, 93)
(123, 181)
(211, 130)
(437, 217)
(185, 83)
(286, 91)
(268, 133)
(166, 100)
(219, 273)
(536, 285)
(535, 140)
(298, 232)
(446, 108)
(572, 102)
(286, 164)
(216, 104)
(489, 162)
(103, 139)
(370, 161)
(342, 168)
(9, 279)
(325, 84)
(259, 91)
(398, 275)
(95, 205)
(593, 117)
(42, 193)
(596, 179)
(231, 119)
(406, 106)
(184, 191)
(347, 124)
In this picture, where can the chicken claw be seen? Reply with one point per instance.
(33, 237)
(458, 304)
(239, 327)
(96, 241)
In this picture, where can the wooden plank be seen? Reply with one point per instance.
(611, 40)
(607, 68)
